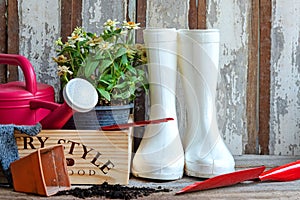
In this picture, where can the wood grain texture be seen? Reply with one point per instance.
(140, 104)
(232, 19)
(252, 80)
(141, 8)
(265, 76)
(93, 157)
(33, 26)
(39, 28)
(193, 15)
(12, 36)
(3, 39)
(96, 12)
(285, 81)
(201, 14)
(70, 16)
(167, 14)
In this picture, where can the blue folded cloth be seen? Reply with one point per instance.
(8, 146)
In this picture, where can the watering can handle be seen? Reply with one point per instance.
(29, 74)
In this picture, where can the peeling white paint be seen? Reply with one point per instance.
(96, 12)
(285, 78)
(132, 10)
(231, 17)
(167, 14)
(39, 28)
(170, 14)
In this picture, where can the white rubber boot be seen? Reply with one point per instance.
(206, 155)
(160, 154)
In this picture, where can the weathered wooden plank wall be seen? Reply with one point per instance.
(33, 26)
(96, 12)
(264, 74)
(232, 18)
(252, 79)
(71, 16)
(285, 78)
(12, 36)
(39, 28)
(3, 39)
(167, 14)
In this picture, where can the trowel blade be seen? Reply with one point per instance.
(225, 180)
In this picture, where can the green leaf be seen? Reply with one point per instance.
(132, 89)
(121, 51)
(141, 72)
(116, 66)
(104, 64)
(105, 78)
(104, 93)
(122, 75)
(90, 66)
(124, 59)
(90, 34)
(121, 85)
(131, 69)
(110, 86)
(99, 55)
(123, 95)
(133, 79)
(118, 30)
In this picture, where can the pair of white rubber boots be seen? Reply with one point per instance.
(200, 151)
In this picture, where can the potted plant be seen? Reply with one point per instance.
(111, 61)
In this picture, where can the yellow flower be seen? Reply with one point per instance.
(130, 53)
(95, 41)
(78, 30)
(58, 42)
(76, 37)
(130, 25)
(105, 45)
(111, 23)
(141, 52)
(60, 59)
(62, 70)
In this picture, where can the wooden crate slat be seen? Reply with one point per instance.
(93, 157)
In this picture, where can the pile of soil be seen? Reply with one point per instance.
(112, 191)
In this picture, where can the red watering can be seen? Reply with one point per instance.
(29, 102)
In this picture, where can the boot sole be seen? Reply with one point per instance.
(205, 171)
(158, 176)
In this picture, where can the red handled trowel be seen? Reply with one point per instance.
(224, 180)
(134, 124)
(287, 172)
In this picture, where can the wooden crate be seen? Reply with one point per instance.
(93, 157)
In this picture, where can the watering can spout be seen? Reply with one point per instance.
(79, 96)
(57, 118)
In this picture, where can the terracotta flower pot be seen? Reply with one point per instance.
(42, 172)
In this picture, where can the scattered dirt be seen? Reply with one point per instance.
(112, 191)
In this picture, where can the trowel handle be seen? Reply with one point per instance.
(28, 71)
(134, 124)
(287, 172)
